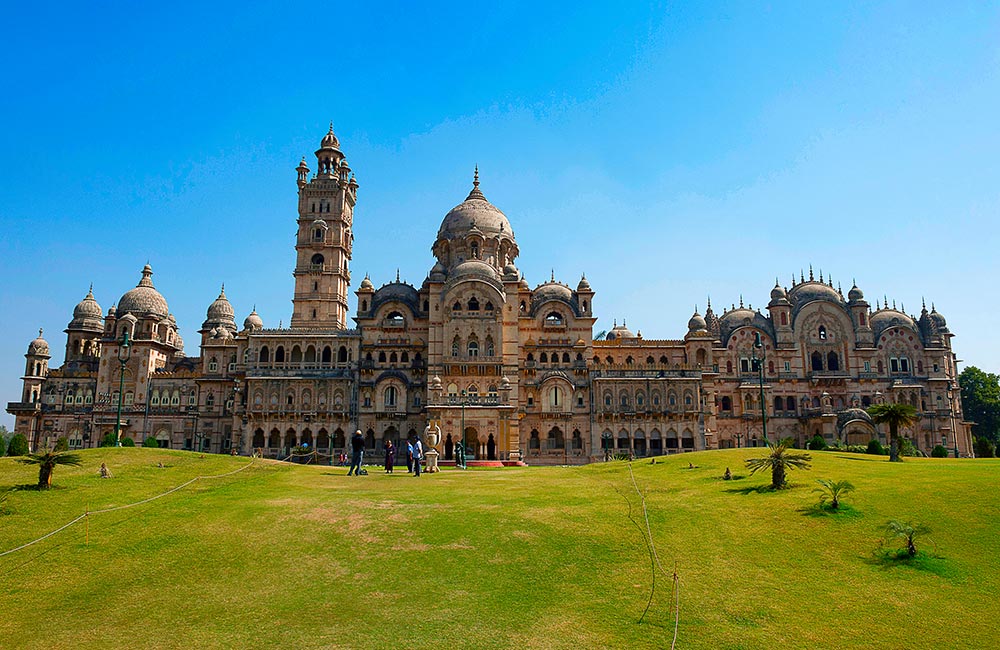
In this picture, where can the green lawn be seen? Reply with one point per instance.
(293, 556)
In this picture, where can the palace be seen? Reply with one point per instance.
(512, 371)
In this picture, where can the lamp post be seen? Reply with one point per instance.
(606, 439)
(759, 362)
(124, 352)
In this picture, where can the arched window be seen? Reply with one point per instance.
(265, 355)
(555, 397)
(404, 357)
(279, 354)
(554, 318)
(390, 396)
(779, 404)
(727, 404)
(455, 346)
(543, 358)
(832, 361)
(607, 399)
(650, 361)
(490, 350)
(473, 304)
(628, 360)
(474, 250)
(904, 364)
(822, 333)
(817, 361)
(530, 357)
(473, 349)
(317, 260)
(565, 357)
(784, 318)
(381, 357)
(342, 354)
(393, 358)
(489, 306)
(395, 319)
(790, 404)
(457, 307)
(296, 354)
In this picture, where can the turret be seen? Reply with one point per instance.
(860, 317)
(36, 367)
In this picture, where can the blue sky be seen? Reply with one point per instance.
(669, 151)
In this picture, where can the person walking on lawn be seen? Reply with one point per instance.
(357, 452)
(418, 454)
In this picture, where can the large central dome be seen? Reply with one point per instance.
(475, 212)
(144, 299)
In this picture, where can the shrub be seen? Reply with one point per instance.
(907, 448)
(939, 451)
(983, 448)
(128, 442)
(875, 448)
(18, 445)
(3, 445)
(150, 442)
(109, 440)
(62, 444)
(817, 443)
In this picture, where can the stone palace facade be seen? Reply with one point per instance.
(512, 370)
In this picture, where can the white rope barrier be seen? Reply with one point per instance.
(127, 505)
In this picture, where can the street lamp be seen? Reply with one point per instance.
(606, 440)
(759, 362)
(124, 352)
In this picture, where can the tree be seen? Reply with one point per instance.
(908, 532)
(939, 451)
(18, 445)
(4, 436)
(983, 448)
(47, 461)
(109, 439)
(62, 444)
(896, 416)
(150, 442)
(832, 490)
(779, 460)
(981, 402)
(875, 447)
(817, 443)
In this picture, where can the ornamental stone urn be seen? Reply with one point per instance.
(433, 437)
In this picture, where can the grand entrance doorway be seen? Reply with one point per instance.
(472, 444)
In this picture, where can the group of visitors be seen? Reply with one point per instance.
(414, 454)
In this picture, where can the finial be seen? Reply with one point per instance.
(552, 277)
(39, 332)
(802, 278)
(923, 305)
(281, 323)
(811, 278)
(254, 309)
(624, 324)
(223, 290)
(902, 308)
(709, 303)
(475, 177)
(91, 289)
(776, 281)
(615, 324)
(885, 301)
(821, 275)
(331, 128)
(397, 275)
(893, 303)
(741, 301)
(933, 308)
(839, 289)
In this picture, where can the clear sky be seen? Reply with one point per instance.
(669, 150)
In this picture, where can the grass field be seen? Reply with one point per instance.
(306, 557)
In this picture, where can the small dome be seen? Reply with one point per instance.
(523, 283)
(551, 291)
(855, 294)
(697, 323)
(778, 292)
(221, 309)
(253, 322)
(366, 284)
(144, 299)
(619, 332)
(584, 285)
(329, 140)
(511, 271)
(938, 319)
(88, 308)
(473, 268)
(39, 346)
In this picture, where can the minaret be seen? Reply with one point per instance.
(324, 240)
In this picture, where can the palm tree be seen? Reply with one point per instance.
(833, 490)
(47, 461)
(779, 459)
(896, 416)
(907, 531)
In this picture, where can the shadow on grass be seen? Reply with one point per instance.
(824, 510)
(892, 558)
